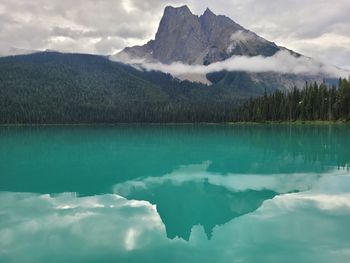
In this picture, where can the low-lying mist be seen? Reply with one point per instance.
(282, 62)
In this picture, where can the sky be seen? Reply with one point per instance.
(315, 28)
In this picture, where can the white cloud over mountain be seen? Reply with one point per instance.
(282, 62)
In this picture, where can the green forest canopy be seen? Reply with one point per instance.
(314, 102)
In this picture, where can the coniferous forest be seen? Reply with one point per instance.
(313, 103)
(55, 88)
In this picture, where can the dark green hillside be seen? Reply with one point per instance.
(53, 87)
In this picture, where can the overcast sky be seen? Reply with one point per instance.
(316, 28)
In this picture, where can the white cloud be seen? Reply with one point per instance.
(242, 36)
(239, 36)
(279, 183)
(282, 62)
(291, 23)
(329, 202)
(93, 222)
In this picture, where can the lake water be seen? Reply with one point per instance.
(205, 193)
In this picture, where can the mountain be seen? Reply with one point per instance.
(185, 37)
(209, 38)
(51, 87)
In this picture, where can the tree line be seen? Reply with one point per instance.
(315, 102)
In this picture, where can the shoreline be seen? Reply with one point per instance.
(185, 124)
(295, 122)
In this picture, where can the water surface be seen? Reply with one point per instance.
(186, 193)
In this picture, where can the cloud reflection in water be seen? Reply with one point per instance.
(311, 225)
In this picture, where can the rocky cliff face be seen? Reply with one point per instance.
(180, 37)
(185, 37)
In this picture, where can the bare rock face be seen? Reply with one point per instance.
(185, 37)
(179, 38)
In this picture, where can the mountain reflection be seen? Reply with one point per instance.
(109, 228)
(193, 196)
(183, 206)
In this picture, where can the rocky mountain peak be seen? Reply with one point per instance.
(175, 17)
(208, 13)
(182, 10)
(191, 39)
(179, 36)
(206, 39)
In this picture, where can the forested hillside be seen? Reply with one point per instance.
(74, 88)
(314, 102)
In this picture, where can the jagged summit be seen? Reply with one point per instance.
(182, 9)
(191, 39)
(208, 12)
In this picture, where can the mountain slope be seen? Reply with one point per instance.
(53, 87)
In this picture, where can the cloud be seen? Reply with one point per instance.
(238, 37)
(329, 47)
(282, 62)
(330, 202)
(279, 183)
(242, 36)
(92, 226)
(36, 24)
(109, 45)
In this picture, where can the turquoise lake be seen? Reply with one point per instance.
(175, 193)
